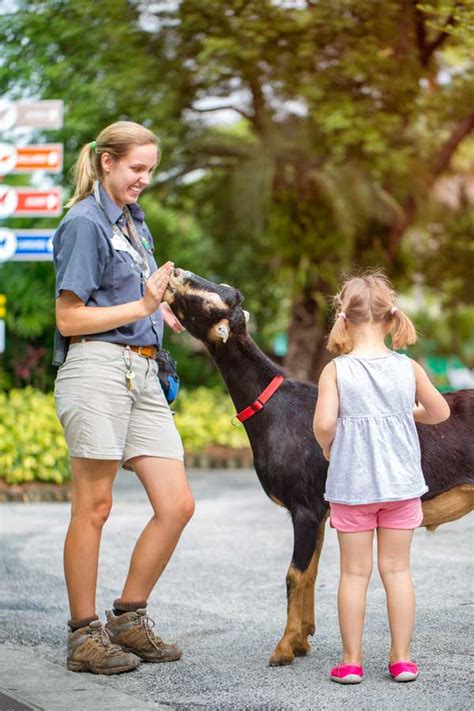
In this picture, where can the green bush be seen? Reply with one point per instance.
(33, 448)
(203, 417)
(32, 445)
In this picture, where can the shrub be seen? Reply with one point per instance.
(33, 448)
(32, 445)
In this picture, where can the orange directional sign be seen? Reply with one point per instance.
(27, 159)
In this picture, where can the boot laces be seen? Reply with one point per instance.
(153, 638)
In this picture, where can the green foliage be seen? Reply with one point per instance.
(33, 448)
(203, 417)
(32, 445)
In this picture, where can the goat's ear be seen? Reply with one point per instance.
(220, 331)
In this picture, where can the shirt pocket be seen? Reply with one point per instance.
(126, 280)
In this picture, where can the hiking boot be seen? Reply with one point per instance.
(133, 631)
(89, 649)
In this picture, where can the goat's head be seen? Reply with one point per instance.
(210, 312)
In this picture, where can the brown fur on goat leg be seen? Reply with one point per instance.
(450, 506)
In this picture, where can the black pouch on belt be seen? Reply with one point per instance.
(168, 375)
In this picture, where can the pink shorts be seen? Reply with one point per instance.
(405, 514)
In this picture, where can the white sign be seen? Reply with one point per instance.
(2, 336)
(8, 114)
(7, 244)
(8, 201)
(8, 158)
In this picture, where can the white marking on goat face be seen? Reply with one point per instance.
(208, 296)
(219, 332)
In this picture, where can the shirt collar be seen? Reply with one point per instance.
(114, 212)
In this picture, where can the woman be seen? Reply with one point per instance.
(108, 397)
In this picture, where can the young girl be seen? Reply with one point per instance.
(365, 424)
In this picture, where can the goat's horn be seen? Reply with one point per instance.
(247, 315)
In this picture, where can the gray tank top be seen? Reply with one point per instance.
(375, 455)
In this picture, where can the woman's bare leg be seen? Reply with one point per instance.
(92, 481)
(173, 505)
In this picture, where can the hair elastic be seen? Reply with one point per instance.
(393, 310)
(93, 145)
(342, 315)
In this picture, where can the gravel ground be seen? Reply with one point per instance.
(223, 600)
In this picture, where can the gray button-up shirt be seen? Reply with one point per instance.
(100, 271)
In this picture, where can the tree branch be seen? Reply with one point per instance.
(427, 49)
(439, 165)
(225, 107)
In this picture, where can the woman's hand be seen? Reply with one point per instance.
(170, 319)
(156, 287)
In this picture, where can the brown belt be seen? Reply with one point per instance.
(145, 351)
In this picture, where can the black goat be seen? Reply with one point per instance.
(287, 458)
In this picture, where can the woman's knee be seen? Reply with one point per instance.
(178, 513)
(95, 512)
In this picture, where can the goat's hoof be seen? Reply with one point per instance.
(281, 659)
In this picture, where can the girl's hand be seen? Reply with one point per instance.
(155, 287)
(170, 319)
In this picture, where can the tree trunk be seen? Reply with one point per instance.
(307, 334)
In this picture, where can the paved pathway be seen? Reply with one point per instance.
(223, 600)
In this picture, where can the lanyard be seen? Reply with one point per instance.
(136, 250)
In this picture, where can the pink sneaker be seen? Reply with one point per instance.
(347, 674)
(403, 671)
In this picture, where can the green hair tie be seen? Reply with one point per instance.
(93, 145)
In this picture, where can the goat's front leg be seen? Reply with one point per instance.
(309, 627)
(305, 527)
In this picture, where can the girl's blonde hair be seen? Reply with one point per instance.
(116, 139)
(369, 298)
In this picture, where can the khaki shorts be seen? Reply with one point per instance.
(101, 417)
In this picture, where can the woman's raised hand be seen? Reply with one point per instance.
(156, 287)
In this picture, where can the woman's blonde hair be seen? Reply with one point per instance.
(368, 298)
(116, 139)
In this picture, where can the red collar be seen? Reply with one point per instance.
(263, 398)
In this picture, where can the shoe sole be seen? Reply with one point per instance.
(83, 667)
(151, 661)
(348, 679)
(405, 676)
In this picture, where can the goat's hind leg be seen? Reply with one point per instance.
(292, 643)
(309, 625)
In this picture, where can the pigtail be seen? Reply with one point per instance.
(85, 173)
(339, 340)
(402, 329)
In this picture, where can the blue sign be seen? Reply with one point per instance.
(26, 245)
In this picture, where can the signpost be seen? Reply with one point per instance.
(26, 245)
(3, 313)
(29, 202)
(31, 114)
(27, 159)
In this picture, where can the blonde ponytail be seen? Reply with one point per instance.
(402, 330)
(339, 340)
(86, 171)
(116, 140)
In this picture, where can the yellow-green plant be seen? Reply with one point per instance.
(203, 417)
(32, 445)
(33, 448)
